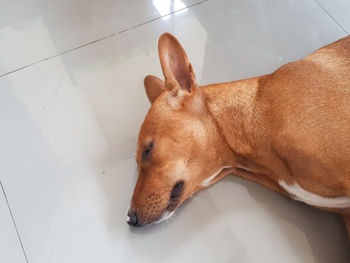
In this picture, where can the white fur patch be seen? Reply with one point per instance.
(205, 182)
(302, 195)
(165, 216)
(208, 181)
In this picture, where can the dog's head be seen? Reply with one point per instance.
(179, 144)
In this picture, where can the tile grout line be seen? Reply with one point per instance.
(333, 18)
(14, 223)
(58, 54)
(99, 39)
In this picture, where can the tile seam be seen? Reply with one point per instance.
(98, 40)
(14, 222)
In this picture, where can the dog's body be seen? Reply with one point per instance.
(294, 123)
(289, 131)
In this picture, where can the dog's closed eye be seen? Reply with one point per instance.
(146, 154)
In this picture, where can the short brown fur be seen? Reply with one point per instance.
(291, 125)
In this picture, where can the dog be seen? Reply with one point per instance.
(288, 131)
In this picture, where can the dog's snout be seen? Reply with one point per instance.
(132, 218)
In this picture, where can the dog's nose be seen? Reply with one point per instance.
(132, 218)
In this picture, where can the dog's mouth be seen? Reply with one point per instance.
(164, 216)
(173, 203)
(146, 215)
(136, 219)
(167, 212)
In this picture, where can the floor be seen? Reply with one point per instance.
(72, 101)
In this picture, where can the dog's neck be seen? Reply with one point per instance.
(235, 107)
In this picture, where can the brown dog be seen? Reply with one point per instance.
(289, 131)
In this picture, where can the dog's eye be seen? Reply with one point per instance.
(147, 152)
(177, 190)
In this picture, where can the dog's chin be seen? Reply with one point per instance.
(164, 216)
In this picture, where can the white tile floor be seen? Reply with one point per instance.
(69, 126)
(10, 246)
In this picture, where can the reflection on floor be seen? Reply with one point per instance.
(72, 101)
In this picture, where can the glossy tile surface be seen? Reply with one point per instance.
(339, 10)
(32, 30)
(71, 124)
(10, 247)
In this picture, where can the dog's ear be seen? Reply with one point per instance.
(154, 86)
(177, 70)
